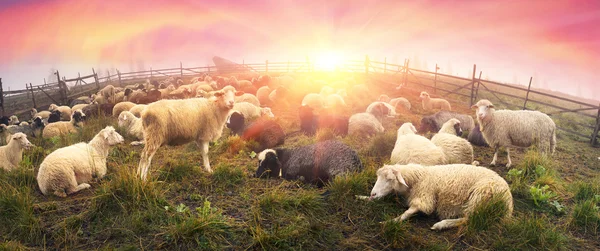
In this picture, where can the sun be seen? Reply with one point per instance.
(328, 61)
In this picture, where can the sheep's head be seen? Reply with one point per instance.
(13, 120)
(125, 118)
(225, 97)
(266, 111)
(384, 98)
(38, 122)
(424, 95)
(52, 107)
(406, 129)
(127, 92)
(389, 180)
(111, 136)
(483, 109)
(33, 112)
(452, 126)
(380, 110)
(213, 84)
(21, 138)
(235, 122)
(54, 116)
(78, 116)
(268, 164)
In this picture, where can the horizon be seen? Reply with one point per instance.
(555, 43)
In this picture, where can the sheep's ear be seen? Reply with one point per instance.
(490, 106)
(219, 93)
(239, 93)
(412, 127)
(474, 107)
(399, 177)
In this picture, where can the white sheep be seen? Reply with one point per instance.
(326, 91)
(64, 127)
(249, 98)
(335, 101)
(65, 111)
(456, 149)
(137, 110)
(43, 114)
(122, 106)
(263, 95)
(100, 99)
(434, 103)
(164, 93)
(174, 122)
(381, 109)
(384, 98)
(12, 153)
(400, 102)
(133, 126)
(79, 107)
(514, 129)
(364, 124)
(14, 120)
(415, 149)
(67, 170)
(452, 192)
(314, 100)
(251, 111)
(108, 92)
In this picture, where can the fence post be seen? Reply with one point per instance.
(473, 84)
(367, 63)
(119, 74)
(527, 96)
(181, 68)
(32, 95)
(1, 97)
(477, 88)
(435, 79)
(96, 80)
(594, 139)
(384, 64)
(267, 66)
(61, 90)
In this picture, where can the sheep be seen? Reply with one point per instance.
(263, 95)
(99, 99)
(381, 110)
(65, 111)
(108, 92)
(13, 120)
(164, 93)
(55, 116)
(182, 92)
(174, 122)
(79, 107)
(434, 103)
(81, 100)
(279, 95)
(335, 101)
(33, 130)
(137, 110)
(12, 153)
(415, 149)
(151, 96)
(314, 100)
(122, 106)
(94, 110)
(364, 124)
(247, 97)
(433, 123)
(251, 111)
(517, 129)
(34, 114)
(266, 132)
(68, 170)
(136, 95)
(64, 127)
(384, 98)
(133, 126)
(476, 138)
(309, 122)
(317, 163)
(400, 102)
(452, 192)
(456, 149)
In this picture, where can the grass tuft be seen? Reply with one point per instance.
(324, 134)
(17, 220)
(528, 233)
(175, 171)
(486, 215)
(586, 191)
(586, 216)
(228, 176)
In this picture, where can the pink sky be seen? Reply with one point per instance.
(557, 41)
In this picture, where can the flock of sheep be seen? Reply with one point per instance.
(437, 175)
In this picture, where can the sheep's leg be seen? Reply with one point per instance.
(137, 143)
(448, 223)
(204, 148)
(509, 163)
(60, 193)
(495, 156)
(146, 160)
(407, 214)
(72, 190)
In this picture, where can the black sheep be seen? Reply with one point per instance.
(476, 138)
(266, 132)
(54, 116)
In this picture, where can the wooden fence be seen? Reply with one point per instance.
(585, 124)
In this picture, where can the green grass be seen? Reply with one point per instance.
(486, 215)
(18, 220)
(529, 233)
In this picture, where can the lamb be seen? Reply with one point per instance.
(309, 122)
(12, 153)
(364, 124)
(434, 103)
(266, 132)
(65, 111)
(314, 100)
(456, 149)
(476, 138)
(64, 127)
(67, 170)
(137, 110)
(174, 122)
(122, 106)
(33, 130)
(136, 95)
(249, 98)
(317, 163)
(518, 129)
(433, 123)
(133, 126)
(263, 95)
(452, 192)
(415, 149)
(251, 111)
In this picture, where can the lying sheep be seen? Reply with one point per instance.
(456, 149)
(249, 98)
(326, 91)
(12, 153)
(452, 192)
(310, 122)
(174, 122)
(384, 98)
(79, 107)
(122, 106)
(402, 103)
(434, 103)
(416, 149)
(83, 100)
(263, 95)
(314, 100)
(64, 127)
(137, 110)
(266, 132)
(364, 124)
(99, 99)
(335, 101)
(33, 130)
(381, 110)
(164, 93)
(133, 126)
(34, 114)
(518, 129)
(150, 97)
(95, 110)
(433, 123)
(476, 138)
(55, 116)
(279, 95)
(251, 111)
(67, 170)
(317, 163)
(13, 120)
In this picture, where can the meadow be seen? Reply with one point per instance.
(182, 207)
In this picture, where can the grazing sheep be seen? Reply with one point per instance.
(415, 149)
(263, 95)
(137, 110)
(67, 170)
(33, 130)
(175, 122)
(266, 132)
(133, 126)
(310, 123)
(122, 106)
(400, 102)
(476, 138)
(249, 98)
(364, 124)
(452, 192)
(434, 103)
(64, 127)
(314, 100)
(95, 110)
(12, 153)
(456, 149)
(54, 117)
(514, 129)
(251, 111)
(433, 123)
(317, 163)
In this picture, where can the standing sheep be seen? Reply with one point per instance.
(133, 126)
(12, 153)
(452, 192)
(317, 163)
(517, 129)
(175, 122)
(456, 149)
(67, 170)
(416, 149)
(433, 123)
(434, 103)
(64, 127)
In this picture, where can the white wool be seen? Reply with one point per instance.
(67, 170)
(137, 110)
(335, 101)
(400, 103)
(132, 124)
(65, 111)
(391, 111)
(62, 128)
(364, 124)
(249, 98)
(263, 95)
(79, 107)
(456, 149)
(43, 114)
(415, 149)
(12, 153)
(122, 106)
(13, 120)
(314, 100)
(434, 103)
(249, 110)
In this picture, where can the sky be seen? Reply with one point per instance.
(557, 42)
